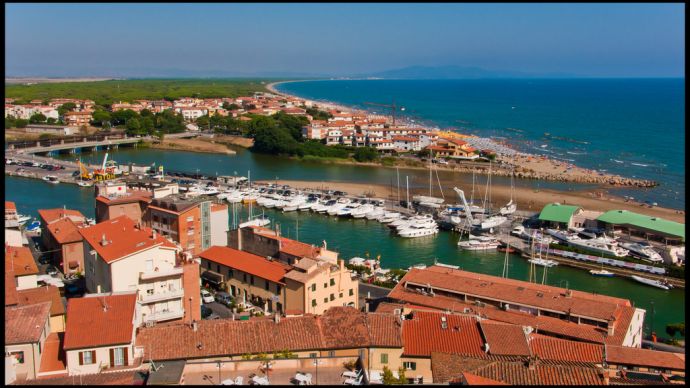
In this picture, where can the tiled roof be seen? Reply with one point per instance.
(545, 324)
(246, 262)
(623, 355)
(446, 366)
(9, 205)
(53, 357)
(89, 324)
(424, 334)
(472, 379)
(24, 324)
(289, 246)
(505, 339)
(123, 238)
(388, 308)
(519, 373)
(337, 328)
(64, 231)
(110, 378)
(40, 295)
(517, 292)
(556, 349)
(128, 197)
(49, 216)
(20, 261)
(10, 288)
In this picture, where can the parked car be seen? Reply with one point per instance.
(206, 297)
(223, 298)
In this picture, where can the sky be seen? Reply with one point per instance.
(139, 40)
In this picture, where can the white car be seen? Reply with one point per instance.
(206, 297)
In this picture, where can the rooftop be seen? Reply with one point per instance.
(246, 262)
(9, 205)
(65, 231)
(558, 213)
(126, 197)
(520, 373)
(41, 295)
(99, 321)
(49, 216)
(122, 238)
(24, 324)
(20, 261)
(427, 332)
(110, 378)
(645, 357)
(505, 339)
(654, 224)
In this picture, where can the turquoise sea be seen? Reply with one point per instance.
(632, 127)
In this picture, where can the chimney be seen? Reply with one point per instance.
(153, 234)
(239, 239)
(444, 322)
(104, 242)
(276, 317)
(533, 362)
(194, 326)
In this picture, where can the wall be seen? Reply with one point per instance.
(13, 237)
(633, 336)
(219, 227)
(133, 210)
(102, 358)
(27, 281)
(57, 323)
(256, 244)
(27, 368)
(394, 355)
(343, 284)
(423, 368)
(294, 296)
(72, 251)
(192, 291)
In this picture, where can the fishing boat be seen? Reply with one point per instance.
(543, 262)
(53, 179)
(663, 284)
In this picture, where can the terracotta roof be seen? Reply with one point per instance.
(644, 357)
(129, 196)
(40, 295)
(388, 308)
(110, 378)
(424, 334)
(53, 357)
(89, 324)
(505, 339)
(64, 231)
(246, 262)
(556, 349)
(517, 292)
(447, 366)
(20, 261)
(472, 379)
(289, 246)
(9, 205)
(337, 328)
(519, 373)
(545, 324)
(24, 324)
(404, 138)
(123, 238)
(49, 216)
(10, 289)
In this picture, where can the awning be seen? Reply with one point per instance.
(212, 277)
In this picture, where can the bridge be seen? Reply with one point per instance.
(73, 144)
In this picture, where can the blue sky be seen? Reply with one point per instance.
(602, 40)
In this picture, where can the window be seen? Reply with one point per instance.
(208, 264)
(118, 357)
(218, 268)
(331, 353)
(19, 356)
(278, 289)
(266, 285)
(88, 357)
(410, 365)
(352, 292)
(149, 264)
(341, 295)
(325, 300)
(332, 297)
(384, 358)
(325, 285)
(313, 287)
(332, 282)
(251, 278)
(229, 273)
(190, 218)
(313, 303)
(244, 276)
(312, 355)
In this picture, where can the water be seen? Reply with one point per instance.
(632, 127)
(361, 237)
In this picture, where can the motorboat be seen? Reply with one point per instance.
(375, 213)
(491, 222)
(294, 203)
(417, 231)
(663, 284)
(258, 221)
(479, 243)
(508, 209)
(389, 217)
(518, 231)
(599, 245)
(340, 203)
(399, 222)
(417, 266)
(601, 272)
(22, 219)
(53, 179)
(561, 235)
(323, 207)
(421, 221)
(307, 204)
(34, 226)
(543, 262)
(362, 211)
(345, 212)
(644, 251)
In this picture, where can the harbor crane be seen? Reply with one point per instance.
(393, 107)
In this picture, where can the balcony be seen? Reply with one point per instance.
(175, 271)
(158, 296)
(164, 316)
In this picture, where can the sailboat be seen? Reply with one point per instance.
(510, 207)
(430, 201)
(601, 272)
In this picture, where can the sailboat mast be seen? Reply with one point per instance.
(397, 172)
(407, 184)
(431, 156)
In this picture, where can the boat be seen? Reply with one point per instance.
(375, 214)
(362, 211)
(417, 266)
(506, 248)
(389, 217)
(258, 221)
(34, 226)
(510, 207)
(334, 209)
(84, 184)
(644, 251)
(22, 219)
(51, 179)
(490, 223)
(543, 262)
(479, 243)
(601, 272)
(663, 284)
(599, 245)
(417, 231)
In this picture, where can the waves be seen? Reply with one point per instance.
(639, 164)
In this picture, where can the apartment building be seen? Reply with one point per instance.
(60, 236)
(20, 262)
(453, 148)
(78, 118)
(26, 330)
(115, 199)
(121, 256)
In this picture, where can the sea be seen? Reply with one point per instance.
(631, 127)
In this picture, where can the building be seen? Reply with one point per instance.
(114, 200)
(58, 130)
(60, 237)
(557, 312)
(556, 215)
(220, 224)
(44, 294)
(640, 225)
(26, 330)
(100, 333)
(13, 236)
(20, 262)
(78, 119)
(453, 148)
(121, 256)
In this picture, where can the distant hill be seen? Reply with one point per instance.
(451, 72)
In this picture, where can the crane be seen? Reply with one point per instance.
(392, 107)
(85, 174)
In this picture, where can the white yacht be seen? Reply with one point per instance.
(508, 209)
(22, 219)
(417, 230)
(323, 207)
(543, 262)
(307, 204)
(421, 221)
(51, 179)
(294, 203)
(479, 243)
(258, 221)
(376, 213)
(334, 209)
(362, 211)
(599, 245)
(491, 222)
(663, 284)
(347, 210)
(644, 251)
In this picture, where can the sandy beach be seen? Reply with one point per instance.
(526, 199)
(193, 145)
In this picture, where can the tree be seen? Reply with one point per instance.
(51, 120)
(21, 123)
(202, 122)
(318, 114)
(9, 122)
(673, 328)
(37, 118)
(228, 106)
(134, 127)
(122, 116)
(293, 124)
(83, 130)
(100, 117)
(66, 107)
(366, 154)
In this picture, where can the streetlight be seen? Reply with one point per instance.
(316, 364)
(218, 363)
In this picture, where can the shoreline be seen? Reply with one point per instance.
(528, 199)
